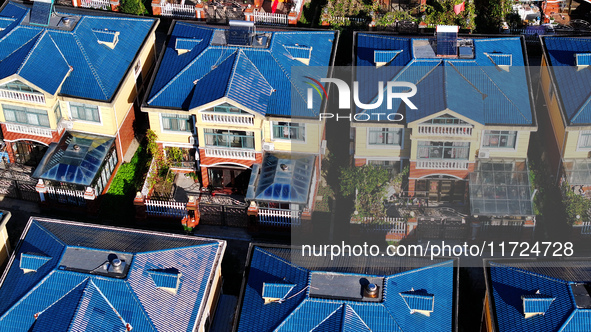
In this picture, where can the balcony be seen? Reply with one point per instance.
(231, 119)
(177, 10)
(28, 97)
(446, 130)
(96, 4)
(230, 153)
(442, 164)
(29, 130)
(270, 18)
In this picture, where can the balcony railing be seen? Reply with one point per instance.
(442, 164)
(66, 196)
(177, 10)
(270, 18)
(245, 120)
(29, 130)
(97, 4)
(29, 97)
(446, 130)
(230, 153)
(279, 218)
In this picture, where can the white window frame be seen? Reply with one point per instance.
(385, 146)
(280, 139)
(71, 118)
(493, 149)
(176, 132)
(579, 148)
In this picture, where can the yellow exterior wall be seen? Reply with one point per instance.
(313, 135)
(4, 246)
(558, 124)
(570, 148)
(181, 137)
(520, 150)
(363, 150)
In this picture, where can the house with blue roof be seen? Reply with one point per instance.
(565, 84)
(231, 99)
(465, 141)
(537, 295)
(69, 276)
(286, 289)
(68, 81)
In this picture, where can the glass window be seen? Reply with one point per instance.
(85, 112)
(385, 136)
(176, 122)
(58, 112)
(499, 139)
(446, 120)
(229, 138)
(106, 172)
(18, 86)
(228, 109)
(389, 164)
(25, 115)
(289, 130)
(443, 150)
(585, 139)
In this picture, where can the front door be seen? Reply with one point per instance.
(28, 153)
(441, 190)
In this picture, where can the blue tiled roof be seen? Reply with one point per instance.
(275, 290)
(300, 312)
(516, 291)
(64, 299)
(257, 78)
(474, 88)
(32, 261)
(573, 84)
(416, 300)
(96, 70)
(164, 278)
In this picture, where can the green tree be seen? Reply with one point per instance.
(369, 182)
(575, 205)
(135, 7)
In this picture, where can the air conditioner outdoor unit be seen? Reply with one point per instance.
(483, 154)
(191, 140)
(268, 146)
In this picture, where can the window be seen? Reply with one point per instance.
(106, 172)
(228, 109)
(289, 130)
(85, 112)
(443, 150)
(58, 112)
(446, 120)
(176, 122)
(229, 138)
(388, 164)
(30, 116)
(18, 86)
(385, 136)
(585, 139)
(499, 139)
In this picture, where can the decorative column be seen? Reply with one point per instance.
(115, 5)
(156, 8)
(139, 203)
(191, 220)
(248, 12)
(200, 11)
(41, 189)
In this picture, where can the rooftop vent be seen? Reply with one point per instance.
(166, 279)
(536, 304)
(300, 53)
(582, 60)
(184, 45)
(351, 287)
(419, 301)
(106, 37)
(41, 12)
(447, 36)
(383, 57)
(276, 292)
(31, 262)
(99, 262)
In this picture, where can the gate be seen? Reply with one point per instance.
(442, 228)
(223, 215)
(19, 189)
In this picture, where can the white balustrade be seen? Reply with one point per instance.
(166, 208)
(246, 120)
(389, 224)
(230, 153)
(270, 18)
(97, 4)
(66, 196)
(278, 217)
(442, 164)
(29, 130)
(447, 130)
(29, 97)
(177, 10)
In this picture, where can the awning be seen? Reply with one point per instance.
(501, 188)
(282, 178)
(75, 159)
(577, 171)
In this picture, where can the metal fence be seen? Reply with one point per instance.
(223, 215)
(166, 208)
(442, 228)
(19, 189)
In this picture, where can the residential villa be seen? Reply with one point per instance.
(72, 120)
(226, 97)
(283, 293)
(467, 141)
(565, 84)
(535, 295)
(73, 276)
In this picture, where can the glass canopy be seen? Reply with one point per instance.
(577, 171)
(282, 178)
(501, 188)
(75, 159)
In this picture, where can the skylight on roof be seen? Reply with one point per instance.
(184, 45)
(168, 279)
(419, 301)
(106, 37)
(583, 59)
(31, 262)
(536, 304)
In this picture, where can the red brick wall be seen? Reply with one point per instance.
(419, 173)
(360, 161)
(10, 137)
(211, 161)
(126, 133)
